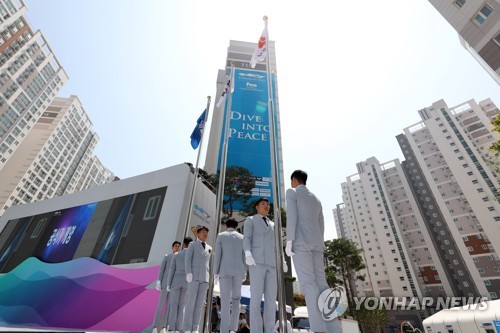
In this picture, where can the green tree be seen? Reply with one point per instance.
(496, 127)
(493, 161)
(345, 259)
(371, 321)
(299, 299)
(238, 186)
(205, 177)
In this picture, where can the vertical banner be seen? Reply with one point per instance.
(249, 131)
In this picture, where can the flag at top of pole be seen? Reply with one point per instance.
(260, 52)
(229, 87)
(198, 131)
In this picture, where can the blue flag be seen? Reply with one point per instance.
(198, 131)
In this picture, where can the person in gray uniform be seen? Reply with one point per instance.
(305, 230)
(260, 256)
(177, 288)
(197, 273)
(161, 285)
(230, 271)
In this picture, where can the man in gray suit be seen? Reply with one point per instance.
(260, 253)
(197, 273)
(161, 285)
(305, 231)
(177, 288)
(230, 271)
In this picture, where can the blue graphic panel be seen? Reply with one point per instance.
(66, 228)
(249, 141)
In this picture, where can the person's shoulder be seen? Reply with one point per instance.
(249, 218)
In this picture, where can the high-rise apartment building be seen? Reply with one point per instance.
(380, 215)
(478, 25)
(55, 157)
(457, 189)
(46, 143)
(30, 77)
(249, 144)
(436, 214)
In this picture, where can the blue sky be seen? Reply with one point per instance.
(351, 76)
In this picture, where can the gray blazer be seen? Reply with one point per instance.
(304, 217)
(229, 255)
(197, 260)
(177, 273)
(165, 266)
(259, 239)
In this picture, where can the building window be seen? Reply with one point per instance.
(152, 208)
(493, 295)
(459, 3)
(483, 13)
(497, 38)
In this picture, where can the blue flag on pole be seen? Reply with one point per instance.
(198, 131)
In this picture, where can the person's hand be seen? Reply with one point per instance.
(288, 249)
(216, 278)
(285, 266)
(168, 288)
(189, 277)
(249, 260)
(158, 285)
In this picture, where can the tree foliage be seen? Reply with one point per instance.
(496, 127)
(344, 262)
(299, 299)
(238, 185)
(371, 321)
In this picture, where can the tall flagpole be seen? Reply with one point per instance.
(193, 188)
(275, 190)
(220, 197)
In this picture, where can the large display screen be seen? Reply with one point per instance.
(249, 141)
(114, 231)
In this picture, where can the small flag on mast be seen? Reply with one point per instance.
(198, 131)
(260, 52)
(229, 86)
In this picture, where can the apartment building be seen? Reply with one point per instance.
(55, 157)
(477, 23)
(454, 180)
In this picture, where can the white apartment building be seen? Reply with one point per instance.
(30, 77)
(478, 25)
(382, 217)
(341, 226)
(55, 157)
(378, 209)
(457, 190)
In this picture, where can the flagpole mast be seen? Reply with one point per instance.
(275, 190)
(220, 197)
(193, 189)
